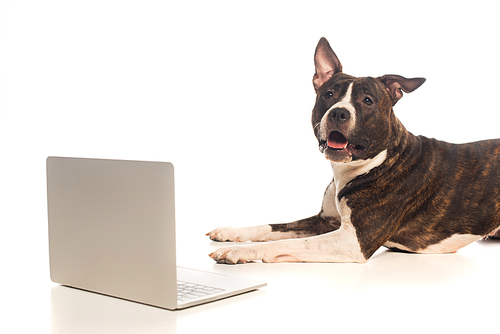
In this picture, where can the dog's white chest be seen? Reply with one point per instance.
(343, 173)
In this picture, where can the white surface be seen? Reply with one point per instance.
(415, 293)
(223, 90)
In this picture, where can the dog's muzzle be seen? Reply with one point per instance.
(337, 145)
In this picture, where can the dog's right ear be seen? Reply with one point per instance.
(326, 63)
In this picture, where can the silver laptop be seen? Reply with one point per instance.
(112, 231)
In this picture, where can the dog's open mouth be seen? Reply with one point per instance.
(338, 142)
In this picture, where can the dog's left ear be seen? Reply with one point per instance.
(396, 85)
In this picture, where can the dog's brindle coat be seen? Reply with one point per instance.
(389, 188)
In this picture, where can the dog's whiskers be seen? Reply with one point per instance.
(322, 143)
(317, 128)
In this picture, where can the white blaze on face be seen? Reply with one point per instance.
(345, 103)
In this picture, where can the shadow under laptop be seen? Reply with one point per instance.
(78, 311)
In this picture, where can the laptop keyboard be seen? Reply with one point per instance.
(187, 291)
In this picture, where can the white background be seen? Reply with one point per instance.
(221, 89)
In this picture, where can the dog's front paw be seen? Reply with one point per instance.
(234, 255)
(240, 234)
(225, 234)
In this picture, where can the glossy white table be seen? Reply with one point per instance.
(392, 292)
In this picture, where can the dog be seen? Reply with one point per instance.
(390, 188)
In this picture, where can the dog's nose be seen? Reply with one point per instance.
(339, 115)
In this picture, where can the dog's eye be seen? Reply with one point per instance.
(328, 95)
(367, 101)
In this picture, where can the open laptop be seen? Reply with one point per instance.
(112, 231)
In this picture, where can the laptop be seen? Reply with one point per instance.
(112, 231)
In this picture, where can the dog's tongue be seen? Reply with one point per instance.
(337, 140)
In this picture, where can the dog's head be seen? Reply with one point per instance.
(353, 117)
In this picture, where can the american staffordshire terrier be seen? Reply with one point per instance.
(390, 188)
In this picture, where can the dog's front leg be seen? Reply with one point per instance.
(338, 246)
(315, 225)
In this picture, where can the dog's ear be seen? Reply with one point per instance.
(396, 85)
(326, 63)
